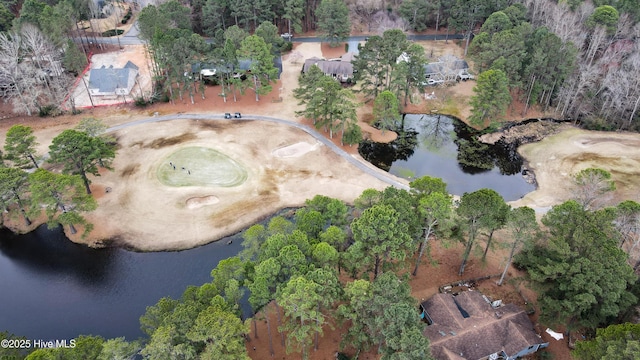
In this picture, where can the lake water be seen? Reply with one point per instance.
(443, 147)
(55, 289)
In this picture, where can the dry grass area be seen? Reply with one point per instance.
(436, 49)
(141, 213)
(147, 215)
(556, 158)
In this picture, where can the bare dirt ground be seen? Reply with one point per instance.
(440, 270)
(555, 159)
(144, 214)
(134, 53)
(280, 103)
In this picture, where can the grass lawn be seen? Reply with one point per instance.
(200, 166)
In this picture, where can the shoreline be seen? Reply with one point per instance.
(140, 213)
(540, 199)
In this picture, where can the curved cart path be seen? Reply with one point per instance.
(378, 174)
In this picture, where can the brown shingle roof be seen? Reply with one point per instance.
(484, 332)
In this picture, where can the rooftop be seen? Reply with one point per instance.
(108, 79)
(467, 327)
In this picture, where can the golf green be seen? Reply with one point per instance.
(200, 166)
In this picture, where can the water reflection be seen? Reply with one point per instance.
(384, 155)
(58, 257)
(437, 145)
(55, 289)
(434, 132)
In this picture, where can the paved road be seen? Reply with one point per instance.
(363, 38)
(133, 32)
(130, 38)
(378, 174)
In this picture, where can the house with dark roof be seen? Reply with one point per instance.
(467, 326)
(204, 70)
(340, 68)
(447, 68)
(110, 81)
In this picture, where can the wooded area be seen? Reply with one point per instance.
(310, 269)
(578, 58)
(28, 190)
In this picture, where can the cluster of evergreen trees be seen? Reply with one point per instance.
(64, 197)
(578, 264)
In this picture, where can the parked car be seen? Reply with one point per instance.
(433, 82)
(287, 36)
(464, 75)
(227, 115)
(237, 115)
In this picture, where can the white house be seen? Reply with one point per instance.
(110, 81)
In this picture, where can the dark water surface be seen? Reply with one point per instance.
(443, 147)
(51, 288)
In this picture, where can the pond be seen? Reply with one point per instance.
(55, 289)
(441, 146)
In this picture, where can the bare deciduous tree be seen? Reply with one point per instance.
(31, 74)
(365, 10)
(385, 21)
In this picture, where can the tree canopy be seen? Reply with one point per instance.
(333, 20)
(621, 341)
(81, 154)
(20, 147)
(491, 97)
(476, 210)
(582, 275)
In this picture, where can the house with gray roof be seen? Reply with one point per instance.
(340, 68)
(468, 326)
(447, 68)
(110, 81)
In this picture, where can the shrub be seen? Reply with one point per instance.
(112, 32)
(49, 110)
(597, 123)
(127, 16)
(287, 46)
(140, 101)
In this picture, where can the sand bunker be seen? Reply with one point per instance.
(198, 202)
(294, 150)
(200, 166)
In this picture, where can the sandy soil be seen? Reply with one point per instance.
(141, 213)
(555, 159)
(107, 23)
(134, 53)
(282, 172)
(280, 103)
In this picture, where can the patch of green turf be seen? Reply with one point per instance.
(406, 173)
(200, 166)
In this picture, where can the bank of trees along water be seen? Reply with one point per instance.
(330, 106)
(332, 262)
(63, 197)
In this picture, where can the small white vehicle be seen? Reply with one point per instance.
(464, 75)
(287, 36)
